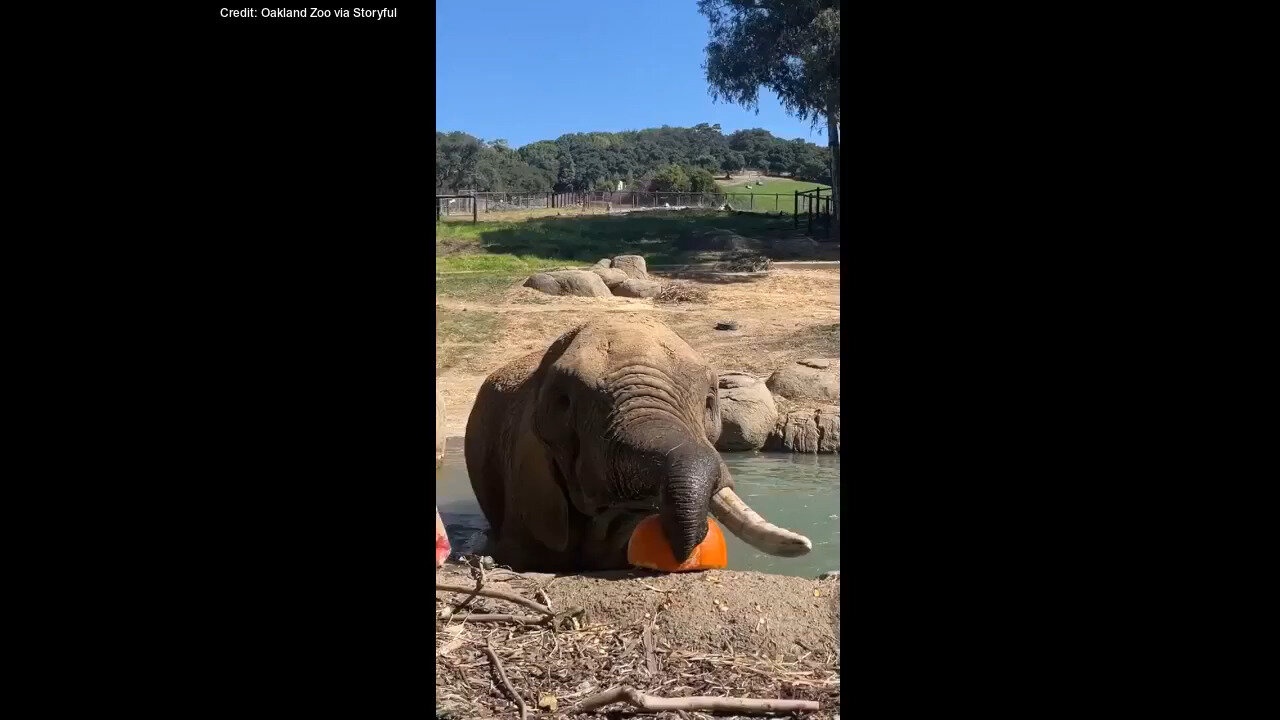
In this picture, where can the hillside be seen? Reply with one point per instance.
(649, 159)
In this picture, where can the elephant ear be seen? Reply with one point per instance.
(537, 496)
(711, 421)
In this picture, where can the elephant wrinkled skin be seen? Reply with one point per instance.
(569, 448)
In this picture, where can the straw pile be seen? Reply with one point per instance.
(649, 643)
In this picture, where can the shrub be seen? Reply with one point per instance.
(671, 178)
(701, 180)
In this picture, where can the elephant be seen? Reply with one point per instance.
(568, 449)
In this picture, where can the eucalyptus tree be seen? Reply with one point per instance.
(791, 47)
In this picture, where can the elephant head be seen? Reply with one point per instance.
(621, 422)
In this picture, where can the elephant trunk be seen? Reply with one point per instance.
(692, 473)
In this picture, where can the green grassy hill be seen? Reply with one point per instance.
(771, 185)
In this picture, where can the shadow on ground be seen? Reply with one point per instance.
(663, 238)
(711, 278)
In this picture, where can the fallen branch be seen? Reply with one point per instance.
(503, 617)
(650, 703)
(502, 675)
(499, 594)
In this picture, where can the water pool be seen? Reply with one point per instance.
(798, 492)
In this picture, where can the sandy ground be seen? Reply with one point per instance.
(722, 633)
(782, 316)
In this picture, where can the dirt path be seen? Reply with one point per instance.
(742, 634)
(782, 316)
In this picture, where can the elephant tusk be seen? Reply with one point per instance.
(754, 530)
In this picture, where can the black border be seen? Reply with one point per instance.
(271, 343)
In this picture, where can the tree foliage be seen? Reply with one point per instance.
(701, 180)
(576, 162)
(791, 47)
(671, 178)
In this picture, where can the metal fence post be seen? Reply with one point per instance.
(795, 211)
(475, 210)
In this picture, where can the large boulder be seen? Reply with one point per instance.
(632, 265)
(799, 381)
(542, 282)
(637, 288)
(611, 276)
(747, 413)
(439, 428)
(569, 282)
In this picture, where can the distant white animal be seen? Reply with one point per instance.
(666, 205)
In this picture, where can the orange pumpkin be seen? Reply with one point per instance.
(648, 548)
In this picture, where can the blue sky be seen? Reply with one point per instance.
(528, 71)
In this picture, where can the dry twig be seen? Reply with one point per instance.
(504, 617)
(502, 675)
(650, 703)
(499, 594)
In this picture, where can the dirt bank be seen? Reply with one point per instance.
(723, 633)
(782, 316)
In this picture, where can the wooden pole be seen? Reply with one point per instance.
(475, 210)
(795, 211)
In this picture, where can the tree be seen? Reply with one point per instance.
(706, 161)
(701, 180)
(582, 161)
(671, 178)
(791, 47)
(457, 155)
(731, 163)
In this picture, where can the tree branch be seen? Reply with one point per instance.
(502, 675)
(650, 703)
(503, 617)
(499, 594)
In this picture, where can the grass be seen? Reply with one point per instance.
(467, 327)
(772, 185)
(458, 332)
(476, 286)
(509, 248)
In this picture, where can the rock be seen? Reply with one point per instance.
(440, 441)
(797, 381)
(828, 420)
(797, 432)
(569, 282)
(807, 431)
(637, 288)
(542, 282)
(727, 325)
(816, 363)
(632, 265)
(829, 575)
(603, 263)
(611, 276)
(747, 412)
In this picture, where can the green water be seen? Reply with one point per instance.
(798, 492)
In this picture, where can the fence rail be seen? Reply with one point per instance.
(817, 207)
(811, 204)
